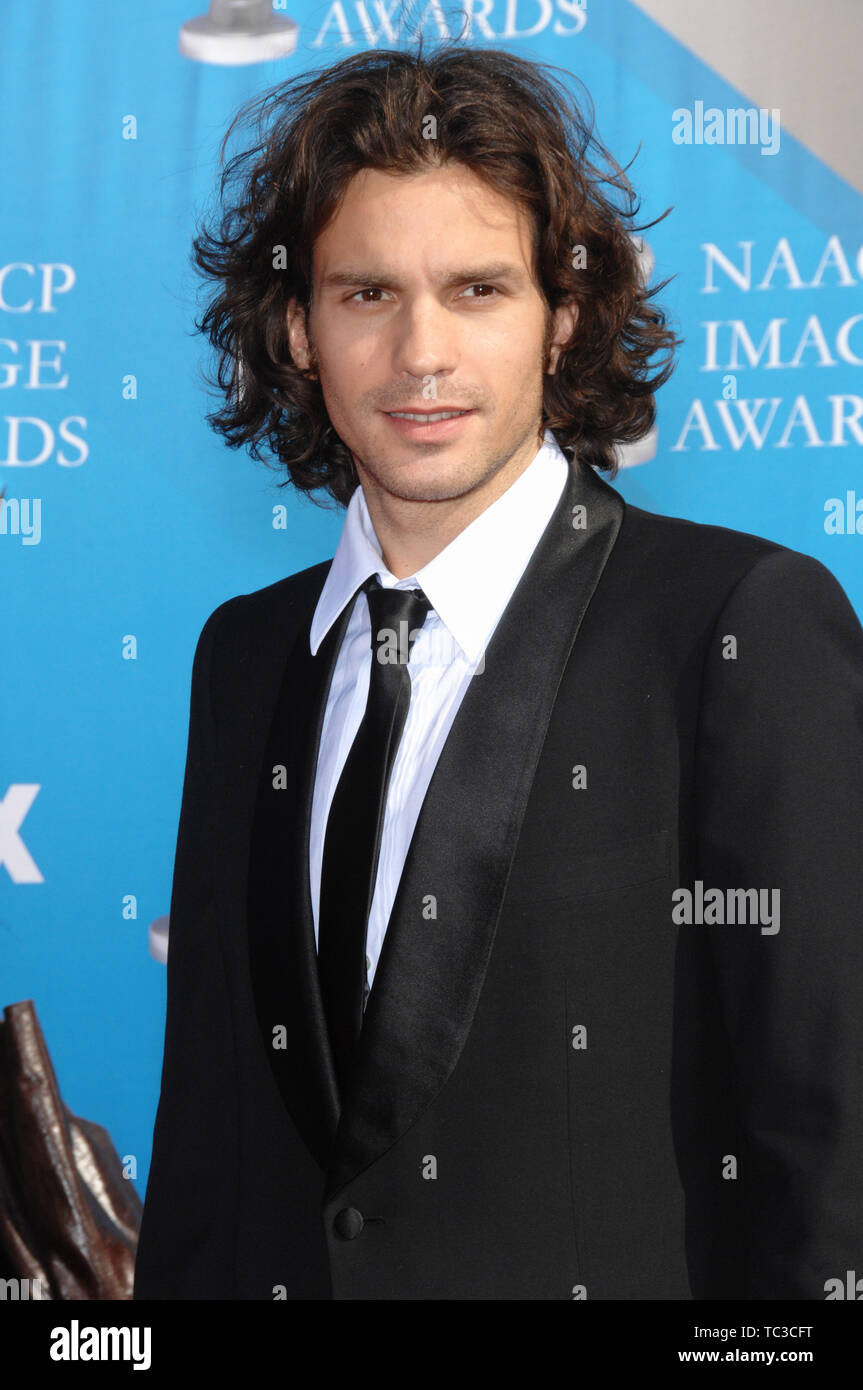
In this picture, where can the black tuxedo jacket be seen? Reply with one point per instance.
(564, 1091)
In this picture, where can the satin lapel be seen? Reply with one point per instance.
(282, 952)
(428, 981)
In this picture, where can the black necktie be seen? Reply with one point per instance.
(355, 822)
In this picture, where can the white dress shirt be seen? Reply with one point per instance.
(469, 584)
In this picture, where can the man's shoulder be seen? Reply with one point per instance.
(678, 539)
(709, 557)
(250, 619)
(296, 590)
(710, 566)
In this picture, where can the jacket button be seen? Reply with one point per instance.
(348, 1223)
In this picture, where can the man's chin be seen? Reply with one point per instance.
(423, 490)
(424, 475)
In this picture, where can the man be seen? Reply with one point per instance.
(514, 938)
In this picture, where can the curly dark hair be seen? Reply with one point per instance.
(517, 127)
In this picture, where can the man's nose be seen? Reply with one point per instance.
(425, 338)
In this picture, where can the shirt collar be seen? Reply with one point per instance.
(471, 580)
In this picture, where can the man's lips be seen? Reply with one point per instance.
(428, 425)
(436, 410)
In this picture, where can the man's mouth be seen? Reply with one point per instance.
(426, 417)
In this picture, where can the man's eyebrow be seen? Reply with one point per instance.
(472, 275)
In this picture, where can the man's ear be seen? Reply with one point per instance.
(563, 326)
(298, 336)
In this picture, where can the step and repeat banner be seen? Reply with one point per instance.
(125, 520)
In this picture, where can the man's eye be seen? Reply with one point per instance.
(375, 290)
(367, 289)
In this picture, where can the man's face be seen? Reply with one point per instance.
(423, 302)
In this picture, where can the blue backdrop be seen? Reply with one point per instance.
(126, 521)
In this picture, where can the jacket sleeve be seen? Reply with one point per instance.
(780, 807)
(183, 1247)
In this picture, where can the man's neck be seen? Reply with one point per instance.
(411, 533)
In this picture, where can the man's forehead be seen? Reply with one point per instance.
(484, 228)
